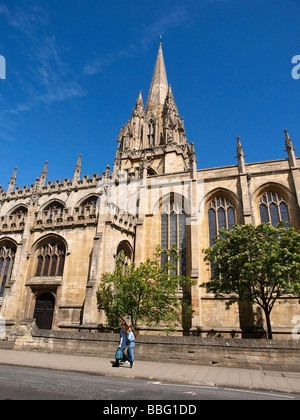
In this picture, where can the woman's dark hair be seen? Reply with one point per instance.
(124, 326)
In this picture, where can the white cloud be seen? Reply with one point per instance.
(49, 79)
(27, 18)
(48, 69)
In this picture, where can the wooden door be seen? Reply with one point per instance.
(44, 310)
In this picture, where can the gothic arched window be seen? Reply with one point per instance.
(273, 208)
(18, 216)
(50, 259)
(89, 205)
(173, 232)
(7, 259)
(54, 210)
(125, 247)
(20, 212)
(221, 214)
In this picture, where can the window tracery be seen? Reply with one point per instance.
(50, 259)
(273, 208)
(173, 232)
(7, 258)
(221, 214)
(89, 205)
(20, 212)
(54, 210)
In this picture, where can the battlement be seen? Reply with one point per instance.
(41, 187)
(51, 187)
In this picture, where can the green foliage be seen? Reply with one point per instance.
(255, 264)
(146, 294)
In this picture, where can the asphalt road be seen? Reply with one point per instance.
(20, 383)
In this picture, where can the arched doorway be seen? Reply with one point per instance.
(44, 310)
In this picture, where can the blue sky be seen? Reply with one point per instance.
(74, 69)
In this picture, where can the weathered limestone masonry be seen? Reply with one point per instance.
(57, 238)
(283, 355)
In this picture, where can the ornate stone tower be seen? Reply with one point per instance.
(153, 142)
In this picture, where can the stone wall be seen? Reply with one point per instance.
(245, 353)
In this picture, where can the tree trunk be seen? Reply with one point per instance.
(268, 322)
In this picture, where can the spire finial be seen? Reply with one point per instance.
(239, 147)
(290, 149)
(288, 141)
(12, 182)
(43, 176)
(159, 86)
(77, 170)
(240, 156)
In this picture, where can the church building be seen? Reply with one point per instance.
(57, 238)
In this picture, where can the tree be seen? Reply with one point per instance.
(147, 293)
(255, 264)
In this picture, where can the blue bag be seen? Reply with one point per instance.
(119, 353)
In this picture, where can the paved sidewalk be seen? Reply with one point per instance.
(158, 371)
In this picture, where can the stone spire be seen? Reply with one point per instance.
(159, 86)
(290, 150)
(193, 161)
(169, 103)
(43, 176)
(138, 110)
(155, 133)
(12, 182)
(241, 156)
(77, 170)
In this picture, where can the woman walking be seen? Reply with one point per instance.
(122, 345)
(131, 336)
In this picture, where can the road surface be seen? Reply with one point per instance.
(23, 383)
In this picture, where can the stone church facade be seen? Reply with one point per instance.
(56, 238)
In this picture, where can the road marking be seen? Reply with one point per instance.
(189, 393)
(227, 389)
(261, 393)
(119, 390)
(114, 390)
(184, 385)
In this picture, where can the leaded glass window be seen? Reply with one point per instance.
(7, 258)
(50, 260)
(173, 232)
(273, 208)
(221, 214)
